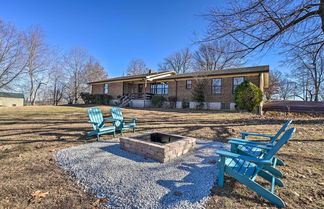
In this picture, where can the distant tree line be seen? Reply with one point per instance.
(43, 72)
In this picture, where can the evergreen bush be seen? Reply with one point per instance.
(247, 96)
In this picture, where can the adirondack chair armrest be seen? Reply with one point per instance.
(131, 118)
(111, 119)
(243, 157)
(250, 142)
(255, 134)
(93, 123)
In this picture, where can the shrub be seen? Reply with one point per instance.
(247, 96)
(157, 100)
(185, 104)
(173, 101)
(102, 99)
(198, 93)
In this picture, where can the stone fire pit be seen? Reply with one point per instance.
(158, 146)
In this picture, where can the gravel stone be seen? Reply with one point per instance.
(132, 181)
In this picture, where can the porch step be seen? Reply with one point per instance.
(125, 100)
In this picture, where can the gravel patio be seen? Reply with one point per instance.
(133, 181)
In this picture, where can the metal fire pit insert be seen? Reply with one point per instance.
(158, 146)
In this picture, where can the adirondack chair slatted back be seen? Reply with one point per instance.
(283, 140)
(281, 130)
(95, 115)
(116, 113)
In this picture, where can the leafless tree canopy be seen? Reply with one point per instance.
(261, 24)
(275, 81)
(94, 71)
(308, 63)
(37, 61)
(180, 62)
(75, 63)
(56, 86)
(136, 66)
(216, 55)
(13, 59)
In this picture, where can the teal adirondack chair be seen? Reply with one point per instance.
(251, 150)
(121, 124)
(257, 151)
(98, 123)
(246, 169)
(272, 138)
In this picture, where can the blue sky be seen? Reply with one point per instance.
(115, 31)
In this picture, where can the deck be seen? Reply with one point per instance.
(294, 106)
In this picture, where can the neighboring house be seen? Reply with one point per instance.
(219, 90)
(11, 99)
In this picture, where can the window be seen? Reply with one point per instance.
(106, 88)
(188, 84)
(237, 81)
(216, 86)
(161, 88)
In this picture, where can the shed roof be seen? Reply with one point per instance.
(11, 95)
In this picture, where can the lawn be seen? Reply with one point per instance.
(30, 135)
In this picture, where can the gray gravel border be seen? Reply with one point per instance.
(132, 181)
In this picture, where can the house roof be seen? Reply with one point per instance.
(11, 95)
(172, 75)
(255, 69)
(137, 77)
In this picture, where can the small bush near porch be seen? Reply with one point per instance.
(30, 135)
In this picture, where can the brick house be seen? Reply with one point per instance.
(219, 89)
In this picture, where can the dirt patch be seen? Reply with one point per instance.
(30, 135)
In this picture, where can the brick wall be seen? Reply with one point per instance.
(116, 89)
(226, 94)
(97, 89)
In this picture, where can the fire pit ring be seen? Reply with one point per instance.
(162, 147)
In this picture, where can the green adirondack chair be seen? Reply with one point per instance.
(253, 149)
(98, 123)
(246, 169)
(122, 122)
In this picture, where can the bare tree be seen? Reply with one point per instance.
(94, 71)
(275, 78)
(13, 58)
(261, 24)
(216, 55)
(37, 61)
(58, 78)
(75, 63)
(179, 62)
(308, 63)
(136, 66)
(286, 88)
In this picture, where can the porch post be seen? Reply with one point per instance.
(145, 85)
(261, 85)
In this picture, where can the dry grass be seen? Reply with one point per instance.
(30, 135)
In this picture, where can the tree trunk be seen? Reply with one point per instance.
(321, 13)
